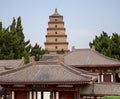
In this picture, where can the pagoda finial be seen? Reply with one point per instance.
(56, 12)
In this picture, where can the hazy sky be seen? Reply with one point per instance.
(83, 18)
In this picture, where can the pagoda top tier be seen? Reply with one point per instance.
(56, 13)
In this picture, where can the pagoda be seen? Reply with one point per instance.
(56, 37)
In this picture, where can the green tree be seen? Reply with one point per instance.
(26, 57)
(5, 41)
(19, 47)
(61, 51)
(0, 27)
(13, 26)
(115, 46)
(12, 43)
(107, 45)
(37, 51)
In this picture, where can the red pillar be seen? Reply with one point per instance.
(54, 95)
(95, 97)
(34, 94)
(0, 96)
(79, 93)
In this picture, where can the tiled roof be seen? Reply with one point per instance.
(49, 58)
(89, 57)
(10, 64)
(47, 73)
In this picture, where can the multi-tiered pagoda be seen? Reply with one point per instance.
(56, 37)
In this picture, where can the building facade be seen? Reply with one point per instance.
(108, 81)
(56, 39)
(55, 78)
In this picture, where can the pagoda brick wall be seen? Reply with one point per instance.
(53, 19)
(54, 25)
(59, 47)
(53, 39)
(59, 32)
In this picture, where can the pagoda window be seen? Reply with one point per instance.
(56, 26)
(56, 39)
(56, 47)
(55, 19)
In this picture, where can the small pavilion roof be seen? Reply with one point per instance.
(90, 58)
(47, 74)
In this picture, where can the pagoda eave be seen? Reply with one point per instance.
(55, 28)
(53, 43)
(56, 35)
(55, 16)
(56, 22)
(58, 50)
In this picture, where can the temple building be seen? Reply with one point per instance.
(33, 80)
(77, 74)
(56, 39)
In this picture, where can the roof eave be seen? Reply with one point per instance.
(98, 65)
(46, 83)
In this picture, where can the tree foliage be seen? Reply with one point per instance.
(62, 51)
(13, 44)
(107, 45)
(37, 51)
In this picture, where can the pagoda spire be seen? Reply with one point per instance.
(56, 12)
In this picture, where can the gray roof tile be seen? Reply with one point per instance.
(6, 65)
(47, 73)
(91, 57)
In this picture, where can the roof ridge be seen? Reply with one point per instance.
(75, 51)
(11, 60)
(46, 63)
(16, 69)
(107, 57)
(79, 71)
(82, 49)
